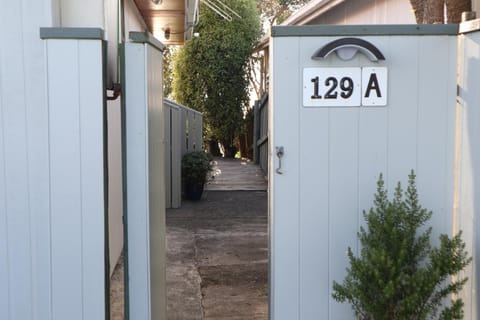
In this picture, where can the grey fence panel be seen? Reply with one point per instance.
(198, 132)
(168, 154)
(183, 130)
(183, 134)
(176, 161)
(260, 132)
(190, 131)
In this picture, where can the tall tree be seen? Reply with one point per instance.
(210, 72)
(435, 11)
(168, 70)
(275, 11)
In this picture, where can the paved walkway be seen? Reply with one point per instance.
(218, 257)
(235, 175)
(217, 250)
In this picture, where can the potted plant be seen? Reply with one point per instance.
(195, 167)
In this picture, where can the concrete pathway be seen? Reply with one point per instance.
(218, 257)
(235, 175)
(217, 250)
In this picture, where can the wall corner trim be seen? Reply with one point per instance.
(469, 26)
(71, 33)
(146, 37)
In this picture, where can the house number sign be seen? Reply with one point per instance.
(345, 87)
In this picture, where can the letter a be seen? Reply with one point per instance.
(373, 85)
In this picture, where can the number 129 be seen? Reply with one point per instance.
(332, 84)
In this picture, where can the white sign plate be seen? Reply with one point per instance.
(374, 86)
(345, 87)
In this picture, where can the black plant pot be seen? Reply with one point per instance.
(193, 191)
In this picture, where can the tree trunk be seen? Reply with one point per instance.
(455, 9)
(434, 11)
(418, 9)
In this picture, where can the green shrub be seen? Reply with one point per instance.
(399, 275)
(195, 167)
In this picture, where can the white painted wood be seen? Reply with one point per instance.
(284, 236)
(343, 197)
(145, 181)
(137, 181)
(333, 157)
(24, 217)
(467, 175)
(75, 94)
(92, 161)
(35, 15)
(65, 170)
(156, 158)
(17, 211)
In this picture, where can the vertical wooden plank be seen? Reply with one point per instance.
(373, 141)
(435, 140)
(91, 108)
(343, 185)
(314, 279)
(314, 214)
(372, 158)
(466, 207)
(402, 111)
(36, 14)
(4, 266)
(168, 125)
(137, 177)
(22, 99)
(176, 164)
(17, 212)
(156, 172)
(284, 215)
(65, 179)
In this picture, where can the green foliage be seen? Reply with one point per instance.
(195, 167)
(211, 71)
(399, 275)
(276, 11)
(168, 70)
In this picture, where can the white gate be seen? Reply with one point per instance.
(467, 207)
(334, 127)
(145, 178)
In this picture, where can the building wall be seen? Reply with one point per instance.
(369, 12)
(24, 162)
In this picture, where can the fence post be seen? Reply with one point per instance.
(256, 130)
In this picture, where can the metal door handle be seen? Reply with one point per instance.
(280, 152)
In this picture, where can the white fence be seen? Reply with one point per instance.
(333, 154)
(467, 178)
(145, 174)
(53, 206)
(183, 133)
